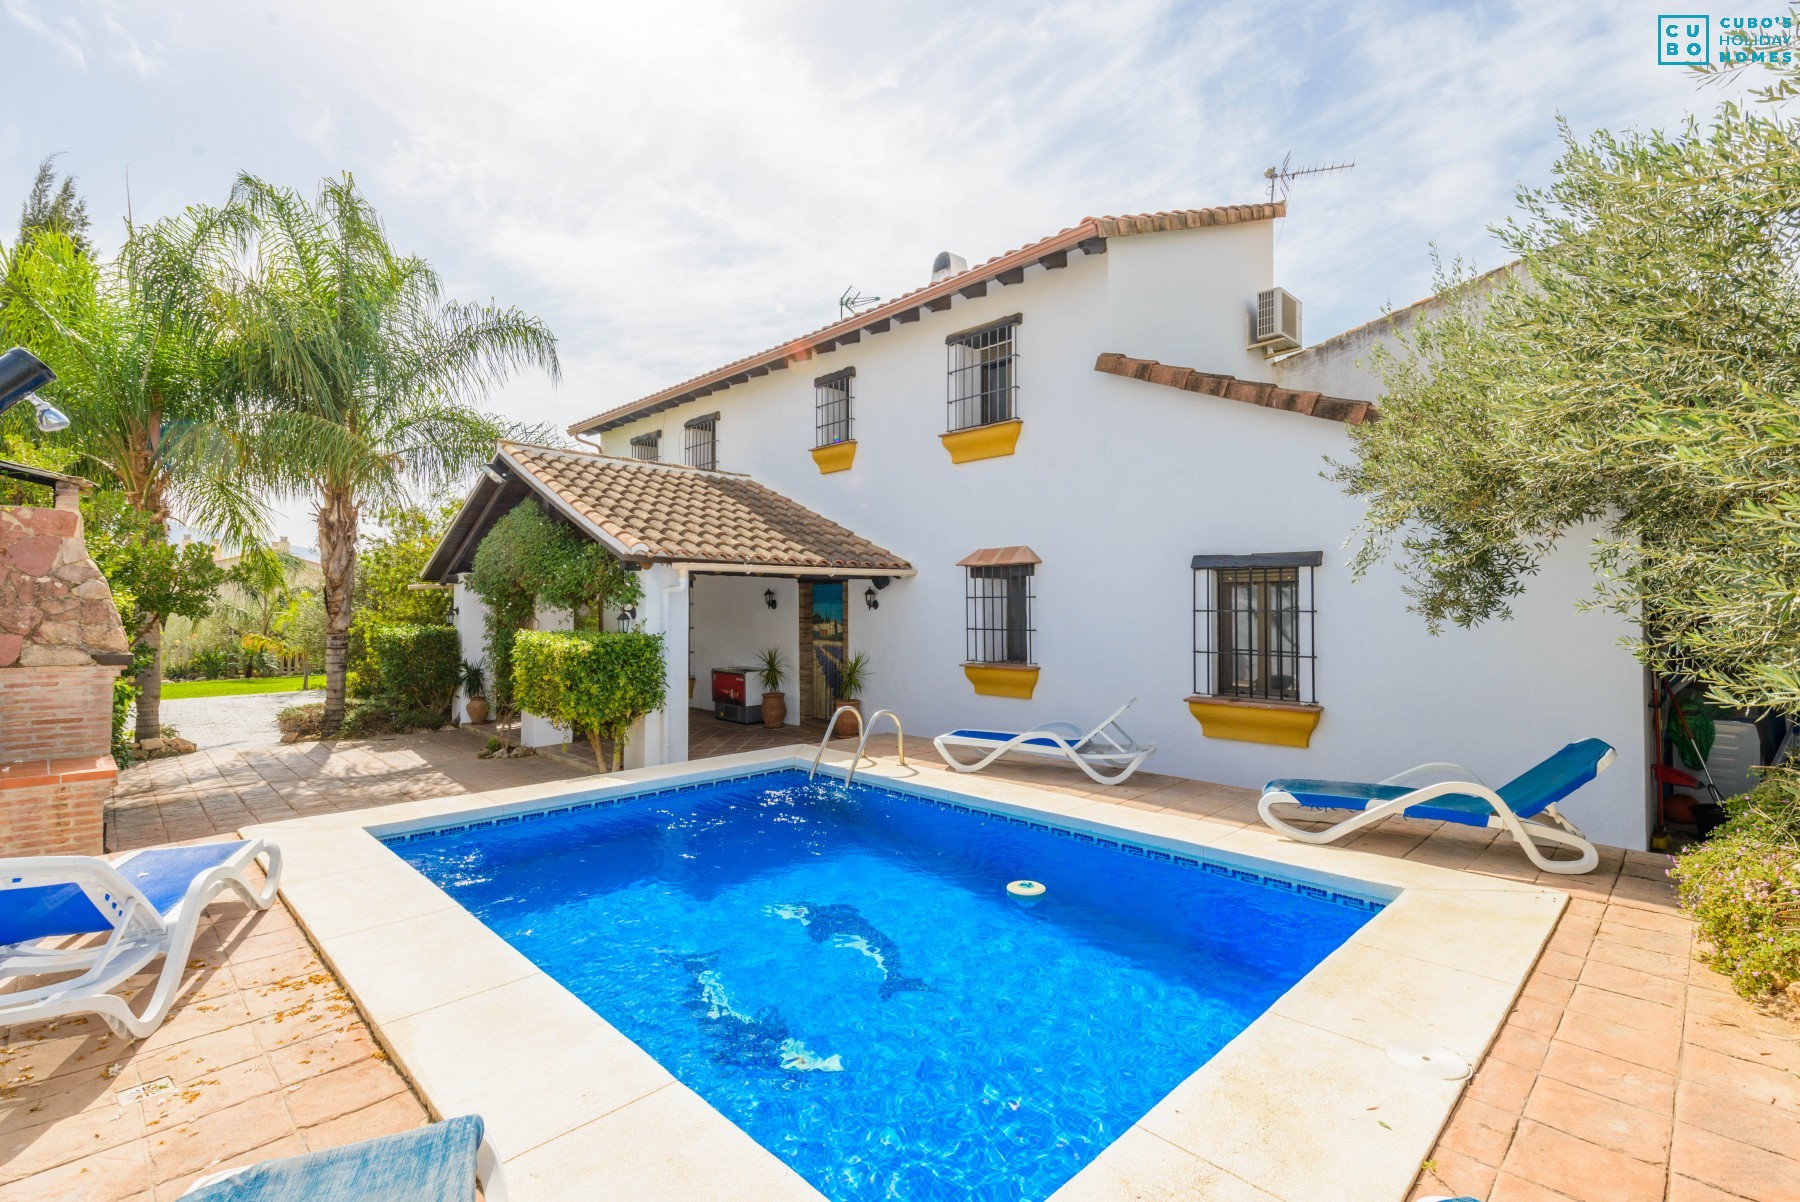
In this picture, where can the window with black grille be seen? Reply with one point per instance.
(999, 598)
(702, 448)
(831, 400)
(647, 447)
(1254, 626)
(984, 374)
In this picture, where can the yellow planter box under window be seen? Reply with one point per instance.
(983, 442)
(1002, 680)
(835, 458)
(1282, 723)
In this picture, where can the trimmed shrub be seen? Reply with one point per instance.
(1743, 888)
(594, 683)
(419, 666)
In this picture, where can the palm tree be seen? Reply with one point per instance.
(361, 372)
(138, 351)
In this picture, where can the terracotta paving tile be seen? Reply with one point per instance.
(206, 1140)
(1502, 1085)
(1661, 1052)
(1610, 1077)
(1686, 1189)
(1586, 1172)
(1642, 1134)
(1728, 1074)
(106, 1176)
(1726, 1025)
(1631, 983)
(1452, 1173)
(1479, 1132)
(1557, 964)
(310, 1057)
(1517, 1046)
(1508, 1188)
(1734, 1166)
(1737, 1117)
(1659, 963)
(401, 1112)
(287, 1145)
(1677, 944)
(318, 1099)
(1535, 1015)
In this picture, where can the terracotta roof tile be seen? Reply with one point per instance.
(998, 557)
(1009, 264)
(1231, 388)
(681, 514)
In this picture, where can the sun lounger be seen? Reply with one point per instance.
(442, 1162)
(131, 910)
(1524, 807)
(1107, 758)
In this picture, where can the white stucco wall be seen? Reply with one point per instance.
(732, 623)
(1117, 484)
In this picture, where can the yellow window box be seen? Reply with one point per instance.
(1282, 723)
(983, 442)
(1002, 680)
(835, 458)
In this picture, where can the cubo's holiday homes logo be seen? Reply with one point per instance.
(1686, 40)
(1683, 40)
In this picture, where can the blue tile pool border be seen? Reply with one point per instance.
(1124, 846)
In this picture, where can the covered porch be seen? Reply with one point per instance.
(728, 569)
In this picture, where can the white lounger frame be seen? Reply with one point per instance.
(487, 1175)
(139, 935)
(1091, 751)
(1547, 824)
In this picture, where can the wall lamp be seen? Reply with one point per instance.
(769, 597)
(627, 615)
(22, 374)
(870, 599)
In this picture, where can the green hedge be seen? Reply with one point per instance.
(1743, 888)
(419, 666)
(594, 683)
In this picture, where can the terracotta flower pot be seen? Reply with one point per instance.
(477, 709)
(774, 709)
(851, 727)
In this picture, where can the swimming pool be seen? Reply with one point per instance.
(839, 970)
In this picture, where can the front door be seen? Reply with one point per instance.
(830, 643)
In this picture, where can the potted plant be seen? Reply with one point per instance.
(476, 706)
(772, 671)
(852, 677)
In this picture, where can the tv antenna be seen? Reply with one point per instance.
(1284, 176)
(852, 300)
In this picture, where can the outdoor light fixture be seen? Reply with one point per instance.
(870, 599)
(769, 597)
(23, 373)
(627, 615)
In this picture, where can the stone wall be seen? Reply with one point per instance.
(61, 646)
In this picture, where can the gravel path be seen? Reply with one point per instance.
(243, 721)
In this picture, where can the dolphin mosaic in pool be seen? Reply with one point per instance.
(844, 926)
(760, 1040)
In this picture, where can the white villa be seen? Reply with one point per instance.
(1083, 471)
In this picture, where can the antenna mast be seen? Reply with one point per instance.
(1284, 176)
(852, 300)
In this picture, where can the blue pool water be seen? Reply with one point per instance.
(839, 970)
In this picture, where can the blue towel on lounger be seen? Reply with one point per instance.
(430, 1164)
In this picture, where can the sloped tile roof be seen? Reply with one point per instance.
(999, 557)
(1089, 235)
(664, 511)
(1250, 392)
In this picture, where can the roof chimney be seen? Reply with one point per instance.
(947, 265)
(281, 545)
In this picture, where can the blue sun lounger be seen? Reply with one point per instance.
(146, 904)
(1524, 807)
(441, 1162)
(1109, 759)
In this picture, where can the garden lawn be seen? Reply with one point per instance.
(176, 689)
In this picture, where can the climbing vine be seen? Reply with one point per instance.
(531, 561)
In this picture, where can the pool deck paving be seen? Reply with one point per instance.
(1626, 1070)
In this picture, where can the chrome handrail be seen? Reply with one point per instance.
(868, 729)
(831, 728)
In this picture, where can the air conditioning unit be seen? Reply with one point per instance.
(1275, 326)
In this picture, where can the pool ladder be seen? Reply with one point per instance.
(868, 728)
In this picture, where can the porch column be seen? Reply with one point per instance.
(662, 738)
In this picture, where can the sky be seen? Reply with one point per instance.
(673, 186)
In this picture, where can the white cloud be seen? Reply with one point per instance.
(676, 185)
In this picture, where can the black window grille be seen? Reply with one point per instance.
(984, 374)
(1000, 614)
(1254, 626)
(702, 447)
(832, 401)
(647, 447)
